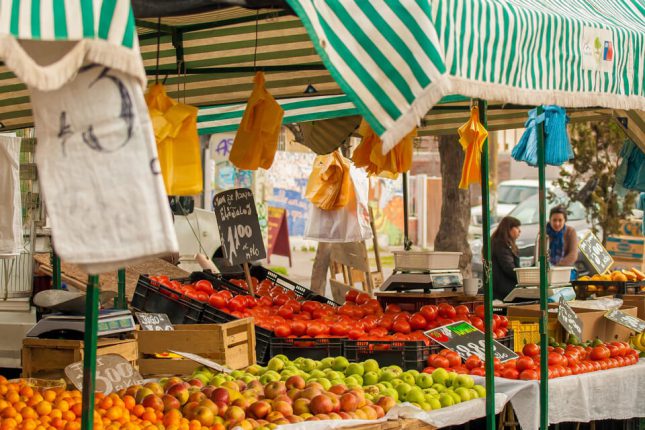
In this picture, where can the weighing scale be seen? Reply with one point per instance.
(111, 321)
(436, 280)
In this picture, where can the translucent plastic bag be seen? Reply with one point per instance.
(175, 127)
(329, 185)
(350, 223)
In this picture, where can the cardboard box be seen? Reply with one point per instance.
(638, 301)
(626, 247)
(231, 344)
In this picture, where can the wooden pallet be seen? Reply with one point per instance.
(47, 358)
(231, 344)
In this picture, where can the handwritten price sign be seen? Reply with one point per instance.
(597, 255)
(154, 322)
(467, 340)
(113, 373)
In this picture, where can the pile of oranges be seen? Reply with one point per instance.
(24, 407)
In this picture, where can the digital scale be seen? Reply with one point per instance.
(521, 293)
(111, 321)
(444, 280)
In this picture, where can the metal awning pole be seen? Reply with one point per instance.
(121, 301)
(56, 275)
(488, 285)
(544, 365)
(407, 244)
(89, 352)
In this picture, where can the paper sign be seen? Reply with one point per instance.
(598, 50)
(596, 254)
(626, 320)
(154, 322)
(238, 225)
(467, 340)
(203, 361)
(569, 320)
(113, 373)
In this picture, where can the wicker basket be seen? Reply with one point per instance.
(426, 260)
(555, 275)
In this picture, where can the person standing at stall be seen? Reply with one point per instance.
(562, 238)
(505, 256)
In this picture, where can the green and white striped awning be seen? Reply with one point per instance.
(396, 59)
(220, 119)
(104, 32)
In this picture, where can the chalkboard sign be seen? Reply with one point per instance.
(154, 322)
(595, 253)
(467, 340)
(238, 225)
(569, 320)
(113, 373)
(629, 321)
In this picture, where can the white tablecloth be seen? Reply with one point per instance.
(610, 394)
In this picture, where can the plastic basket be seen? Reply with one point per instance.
(555, 275)
(508, 340)
(159, 299)
(315, 348)
(409, 355)
(524, 333)
(426, 260)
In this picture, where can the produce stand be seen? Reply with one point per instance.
(413, 301)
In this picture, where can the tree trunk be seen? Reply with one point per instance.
(455, 204)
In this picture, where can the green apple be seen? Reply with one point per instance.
(446, 400)
(439, 387)
(424, 380)
(455, 396)
(392, 393)
(254, 369)
(464, 393)
(435, 403)
(464, 381)
(396, 382)
(370, 378)
(340, 364)
(308, 365)
(248, 378)
(317, 374)
(217, 380)
(425, 406)
(326, 383)
(337, 382)
(480, 390)
(275, 364)
(237, 374)
(452, 376)
(326, 363)
(353, 386)
(407, 377)
(473, 393)
(396, 369)
(386, 384)
(371, 365)
(440, 376)
(403, 389)
(282, 357)
(369, 397)
(415, 395)
(355, 369)
(381, 386)
(414, 372)
(429, 397)
(387, 375)
(431, 391)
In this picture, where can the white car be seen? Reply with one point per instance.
(509, 194)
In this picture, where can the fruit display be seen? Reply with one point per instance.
(571, 360)
(638, 342)
(611, 283)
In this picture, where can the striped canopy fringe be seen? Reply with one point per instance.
(395, 59)
(104, 30)
(219, 119)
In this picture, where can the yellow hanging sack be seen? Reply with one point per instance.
(369, 153)
(256, 140)
(471, 136)
(175, 128)
(330, 184)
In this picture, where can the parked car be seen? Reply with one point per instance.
(509, 195)
(528, 213)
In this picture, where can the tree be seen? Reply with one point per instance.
(455, 204)
(591, 178)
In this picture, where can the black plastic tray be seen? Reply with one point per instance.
(148, 297)
(315, 348)
(409, 355)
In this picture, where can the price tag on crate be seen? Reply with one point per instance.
(467, 340)
(154, 322)
(238, 225)
(595, 253)
(569, 319)
(113, 373)
(203, 361)
(626, 320)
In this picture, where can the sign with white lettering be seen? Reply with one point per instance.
(569, 320)
(154, 322)
(113, 373)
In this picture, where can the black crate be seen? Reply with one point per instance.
(219, 283)
(604, 288)
(262, 273)
(508, 340)
(409, 355)
(314, 348)
(148, 297)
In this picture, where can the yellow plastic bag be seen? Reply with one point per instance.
(369, 153)
(330, 184)
(175, 128)
(256, 140)
(472, 136)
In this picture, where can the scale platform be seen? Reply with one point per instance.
(444, 280)
(521, 293)
(111, 321)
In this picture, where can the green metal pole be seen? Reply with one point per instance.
(488, 285)
(121, 301)
(544, 365)
(89, 351)
(56, 278)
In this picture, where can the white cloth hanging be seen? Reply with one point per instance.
(99, 172)
(10, 202)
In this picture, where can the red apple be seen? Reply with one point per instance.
(321, 404)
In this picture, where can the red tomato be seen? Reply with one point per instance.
(599, 353)
(531, 349)
(454, 359)
(525, 363)
(510, 373)
(216, 301)
(298, 328)
(554, 359)
(286, 312)
(282, 330)
(237, 304)
(201, 296)
(310, 306)
(204, 285)
(479, 311)
(350, 295)
(401, 326)
(447, 310)
(362, 298)
(386, 321)
(473, 362)
(478, 371)
(265, 301)
(529, 374)
(280, 299)
(430, 312)
(226, 294)
(418, 321)
(392, 309)
(440, 361)
(355, 333)
(315, 329)
(477, 322)
(462, 310)
(339, 329)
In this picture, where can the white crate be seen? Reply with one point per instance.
(555, 275)
(426, 260)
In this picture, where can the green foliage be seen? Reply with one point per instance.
(596, 147)
(280, 270)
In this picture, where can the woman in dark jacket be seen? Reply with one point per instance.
(505, 256)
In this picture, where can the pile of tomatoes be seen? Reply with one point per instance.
(361, 318)
(572, 360)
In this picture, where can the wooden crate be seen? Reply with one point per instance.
(231, 344)
(47, 358)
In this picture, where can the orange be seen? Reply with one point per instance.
(49, 395)
(194, 425)
(114, 413)
(129, 402)
(105, 403)
(63, 405)
(8, 424)
(35, 399)
(58, 423)
(29, 424)
(77, 409)
(218, 426)
(56, 413)
(9, 412)
(149, 415)
(3, 380)
(173, 416)
(69, 416)
(73, 426)
(138, 410)
(44, 408)
(3, 404)
(27, 391)
(12, 396)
